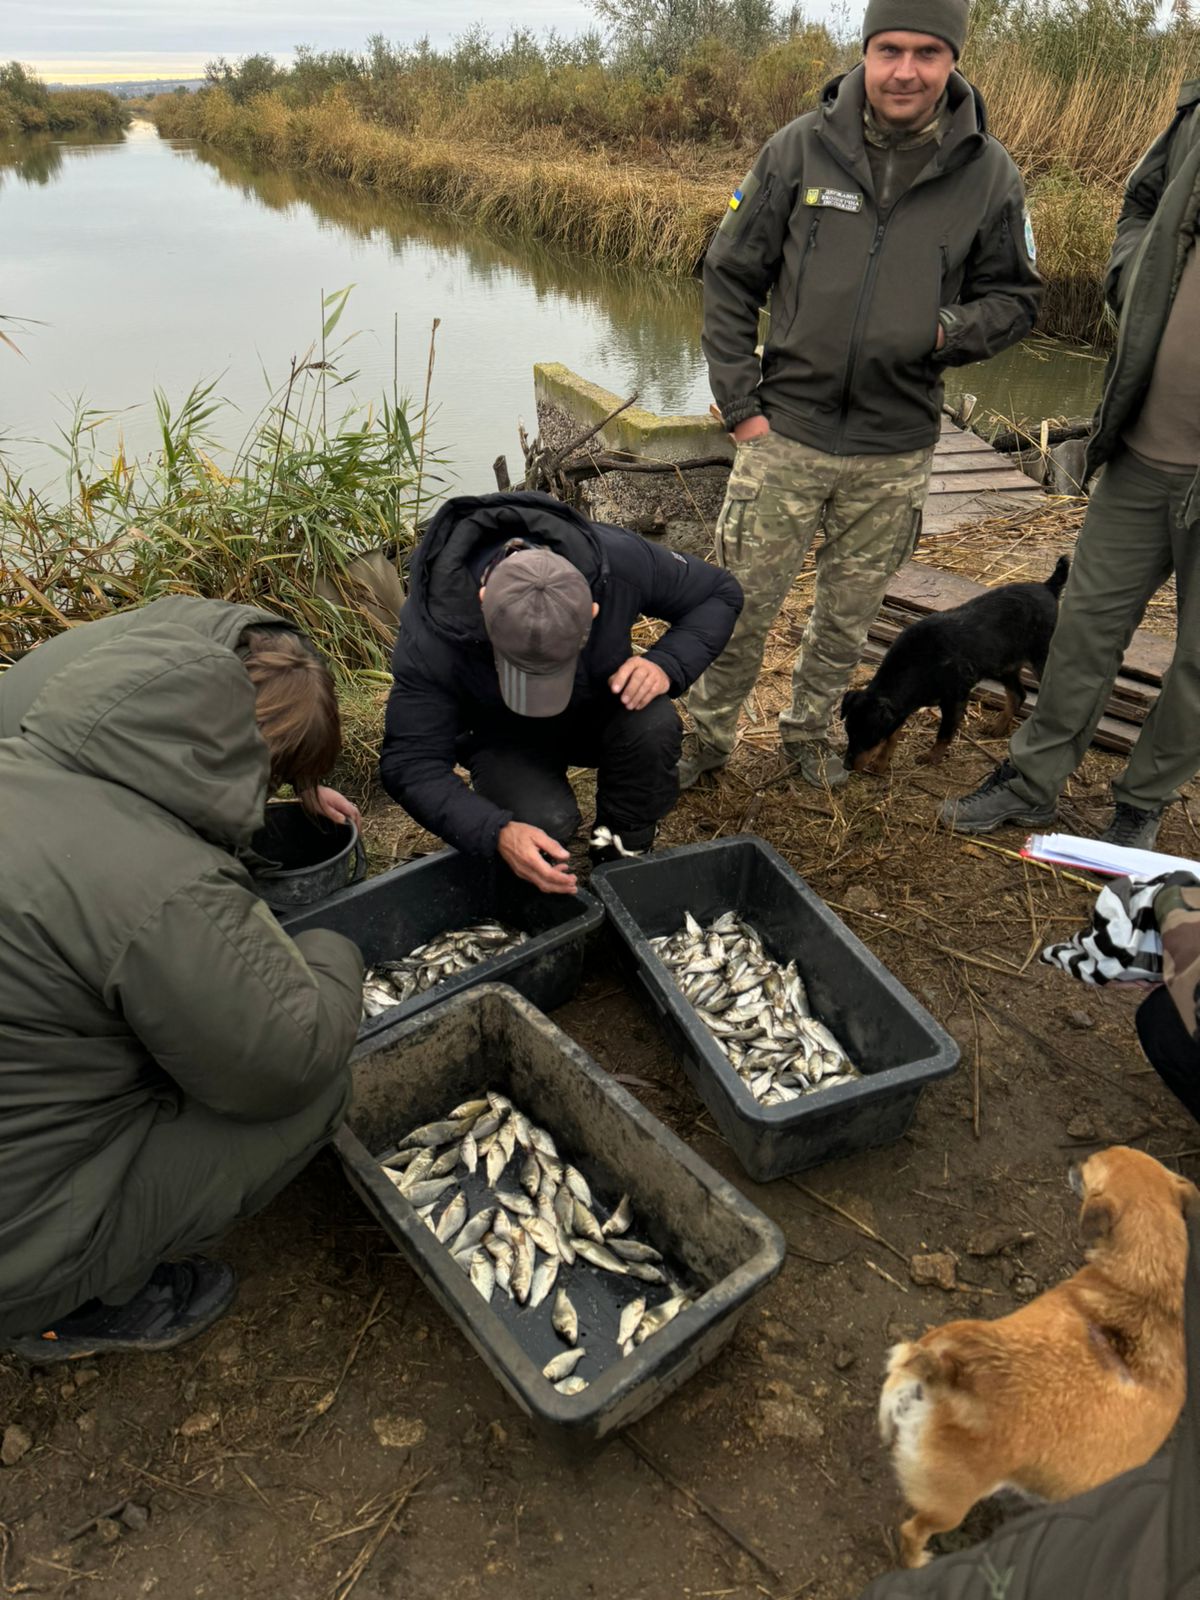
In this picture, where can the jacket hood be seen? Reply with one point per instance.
(1189, 94)
(443, 588)
(169, 713)
(841, 109)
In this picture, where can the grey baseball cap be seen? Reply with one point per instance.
(537, 609)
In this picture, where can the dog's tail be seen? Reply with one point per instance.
(1057, 579)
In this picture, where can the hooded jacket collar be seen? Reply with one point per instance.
(841, 126)
(443, 589)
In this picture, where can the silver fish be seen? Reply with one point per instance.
(452, 1219)
(483, 1274)
(446, 1162)
(519, 1204)
(564, 1319)
(417, 1170)
(521, 1129)
(501, 1226)
(469, 1151)
(585, 1224)
(542, 1142)
(543, 1280)
(572, 1385)
(621, 1218)
(422, 1193)
(437, 1134)
(631, 1318)
(542, 1234)
(522, 1272)
(496, 1163)
(499, 1103)
(657, 1319)
(473, 1232)
(646, 1271)
(564, 1209)
(633, 1250)
(599, 1256)
(561, 1366)
(469, 1108)
(401, 1159)
(577, 1183)
(378, 998)
(531, 1175)
(486, 1125)
(507, 1137)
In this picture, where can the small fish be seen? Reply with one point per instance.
(552, 1167)
(633, 1250)
(577, 1183)
(483, 1273)
(417, 1170)
(564, 1210)
(646, 1271)
(542, 1234)
(542, 1142)
(522, 1272)
(507, 1137)
(501, 1226)
(469, 1108)
(453, 1217)
(486, 1126)
(496, 1163)
(585, 1224)
(499, 1103)
(561, 1366)
(521, 1129)
(446, 1162)
(531, 1175)
(564, 1319)
(657, 1319)
(469, 1151)
(627, 1348)
(599, 1256)
(400, 1160)
(422, 1193)
(631, 1318)
(543, 1280)
(378, 998)
(519, 1204)
(436, 1134)
(621, 1218)
(473, 1231)
(572, 1385)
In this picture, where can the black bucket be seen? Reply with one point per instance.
(302, 860)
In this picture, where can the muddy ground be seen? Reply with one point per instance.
(335, 1434)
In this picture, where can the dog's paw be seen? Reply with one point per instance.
(934, 756)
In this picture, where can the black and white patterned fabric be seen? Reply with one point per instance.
(1123, 944)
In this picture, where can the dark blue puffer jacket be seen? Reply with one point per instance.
(444, 677)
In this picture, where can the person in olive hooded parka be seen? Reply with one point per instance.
(169, 1057)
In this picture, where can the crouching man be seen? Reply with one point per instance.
(514, 659)
(169, 1057)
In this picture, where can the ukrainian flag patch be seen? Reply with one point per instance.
(735, 199)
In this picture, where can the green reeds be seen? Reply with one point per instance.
(277, 522)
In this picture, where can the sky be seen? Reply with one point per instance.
(76, 41)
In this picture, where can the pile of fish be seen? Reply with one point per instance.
(757, 1010)
(534, 1220)
(391, 983)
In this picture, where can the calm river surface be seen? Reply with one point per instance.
(142, 263)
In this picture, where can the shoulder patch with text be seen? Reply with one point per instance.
(837, 198)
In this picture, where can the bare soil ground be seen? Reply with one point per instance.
(336, 1436)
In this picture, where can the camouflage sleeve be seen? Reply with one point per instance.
(1177, 910)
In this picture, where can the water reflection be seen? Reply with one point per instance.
(37, 158)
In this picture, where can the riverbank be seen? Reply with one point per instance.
(27, 106)
(635, 168)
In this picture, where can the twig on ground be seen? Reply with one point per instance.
(886, 1276)
(368, 1552)
(326, 1402)
(714, 1516)
(864, 1228)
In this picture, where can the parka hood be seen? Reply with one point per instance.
(442, 584)
(169, 713)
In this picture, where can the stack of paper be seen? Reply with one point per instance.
(1093, 855)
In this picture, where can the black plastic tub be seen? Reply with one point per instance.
(492, 1037)
(304, 860)
(893, 1040)
(393, 913)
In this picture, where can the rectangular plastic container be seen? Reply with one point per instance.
(393, 913)
(493, 1037)
(893, 1040)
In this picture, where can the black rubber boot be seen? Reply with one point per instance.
(181, 1299)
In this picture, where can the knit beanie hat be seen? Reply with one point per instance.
(944, 19)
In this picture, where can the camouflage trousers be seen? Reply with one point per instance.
(868, 511)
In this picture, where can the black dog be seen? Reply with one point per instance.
(939, 659)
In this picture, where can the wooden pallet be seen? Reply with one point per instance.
(972, 482)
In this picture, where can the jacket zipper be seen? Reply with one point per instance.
(809, 246)
(864, 292)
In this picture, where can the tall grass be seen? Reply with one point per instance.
(27, 106)
(630, 158)
(277, 520)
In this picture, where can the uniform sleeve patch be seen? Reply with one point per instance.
(1030, 244)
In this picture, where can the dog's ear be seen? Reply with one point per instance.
(1098, 1218)
(849, 700)
(1189, 1198)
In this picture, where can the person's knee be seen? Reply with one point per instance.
(653, 732)
(557, 815)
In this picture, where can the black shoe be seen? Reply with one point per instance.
(993, 805)
(182, 1299)
(1132, 827)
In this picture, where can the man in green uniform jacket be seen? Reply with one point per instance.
(1142, 523)
(169, 1058)
(889, 228)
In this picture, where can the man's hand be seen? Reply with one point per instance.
(524, 848)
(638, 682)
(323, 802)
(752, 428)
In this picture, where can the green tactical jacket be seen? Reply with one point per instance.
(849, 365)
(1157, 224)
(1136, 1538)
(137, 966)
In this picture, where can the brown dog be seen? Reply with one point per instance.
(1073, 1389)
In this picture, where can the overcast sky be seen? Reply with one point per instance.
(76, 39)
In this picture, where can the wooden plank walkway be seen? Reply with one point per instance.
(972, 482)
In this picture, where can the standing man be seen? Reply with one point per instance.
(514, 659)
(1142, 523)
(890, 229)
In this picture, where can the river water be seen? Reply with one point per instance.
(141, 263)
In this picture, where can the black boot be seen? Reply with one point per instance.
(180, 1300)
(1133, 827)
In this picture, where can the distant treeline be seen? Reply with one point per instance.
(27, 106)
(622, 143)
